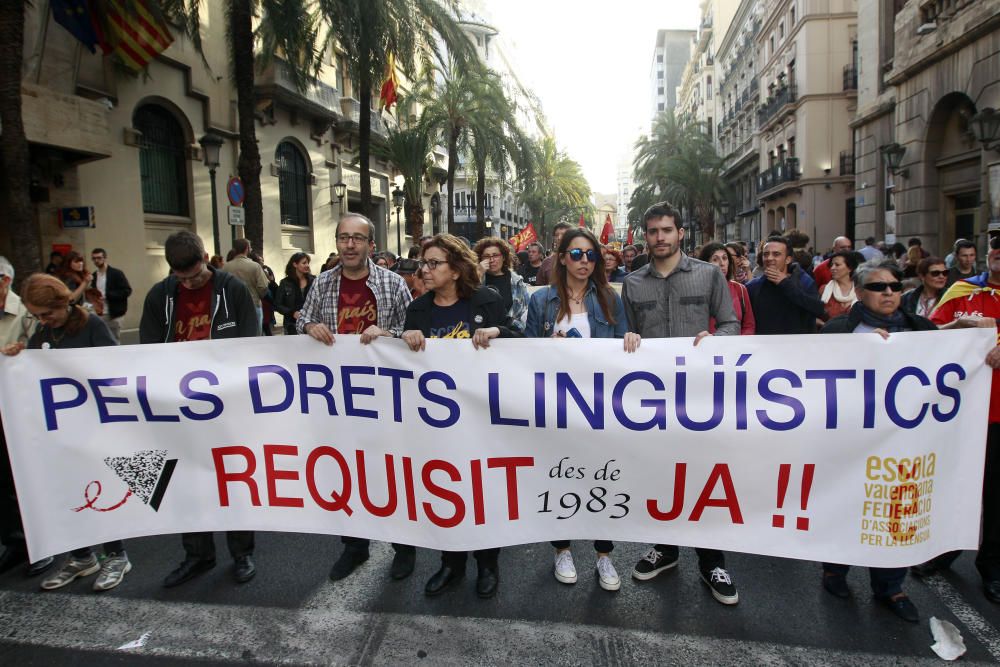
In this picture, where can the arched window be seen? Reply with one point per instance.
(162, 161)
(293, 185)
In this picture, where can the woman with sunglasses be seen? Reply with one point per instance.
(718, 254)
(457, 306)
(879, 287)
(933, 276)
(76, 277)
(579, 303)
(496, 261)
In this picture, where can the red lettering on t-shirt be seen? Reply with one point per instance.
(193, 319)
(356, 306)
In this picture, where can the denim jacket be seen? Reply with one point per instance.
(544, 305)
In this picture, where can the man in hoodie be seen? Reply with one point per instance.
(784, 299)
(197, 302)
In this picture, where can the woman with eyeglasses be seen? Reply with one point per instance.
(456, 305)
(933, 276)
(579, 303)
(838, 295)
(718, 254)
(879, 287)
(496, 262)
(293, 290)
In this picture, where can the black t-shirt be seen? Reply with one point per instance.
(451, 321)
(529, 273)
(501, 285)
(94, 334)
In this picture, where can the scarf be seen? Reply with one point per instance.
(832, 289)
(893, 323)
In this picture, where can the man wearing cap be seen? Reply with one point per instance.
(975, 302)
(408, 269)
(15, 326)
(358, 297)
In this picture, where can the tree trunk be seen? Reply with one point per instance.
(481, 197)
(364, 146)
(26, 253)
(415, 218)
(452, 166)
(248, 166)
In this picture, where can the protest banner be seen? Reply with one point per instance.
(844, 448)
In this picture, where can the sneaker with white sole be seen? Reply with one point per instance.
(565, 569)
(721, 584)
(652, 563)
(71, 569)
(608, 575)
(114, 567)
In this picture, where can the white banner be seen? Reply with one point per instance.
(841, 448)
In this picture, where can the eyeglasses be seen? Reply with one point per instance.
(881, 287)
(576, 254)
(937, 273)
(431, 264)
(492, 257)
(346, 239)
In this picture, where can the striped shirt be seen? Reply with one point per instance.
(392, 296)
(681, 304)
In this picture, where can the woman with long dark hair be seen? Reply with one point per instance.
(293, 289)
(457, 306)
(76, 277)
(718, 254)
(64, 325)
(579, 303)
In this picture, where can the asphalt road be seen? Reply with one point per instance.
(292, 614)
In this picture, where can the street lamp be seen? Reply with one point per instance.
(724, 208)
(489, 226)
(340, 190)
(893, 154)
(398, 199)
(985, 125)
(211, 146)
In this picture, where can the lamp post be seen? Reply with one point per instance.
(211, 145)
(340, 191)
(489, 226)
(398, 199)
(724, 208)
(985, 126)
(893, 154)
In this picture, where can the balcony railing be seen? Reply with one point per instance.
(317, 96)
(773, 104)
(850, 77)
(846, 163)
(351, 109)
(783, 172)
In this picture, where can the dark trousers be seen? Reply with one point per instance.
(201, 546)
(600, 546)
(11, 530)
(886, 581)
(484, 558)
(115, 547)
(361, 544)
(988, 558)
(708, 559)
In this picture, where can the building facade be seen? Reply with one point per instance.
(670, 56)
(928, 70)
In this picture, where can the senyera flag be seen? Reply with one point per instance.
(608, 230)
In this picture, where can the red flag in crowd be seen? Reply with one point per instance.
(521, 240)
(608, 230)
(582, 223)
(628, 241)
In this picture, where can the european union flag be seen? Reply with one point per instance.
(74, 15)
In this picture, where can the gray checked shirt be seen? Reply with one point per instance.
(392, 296)
(681, 304)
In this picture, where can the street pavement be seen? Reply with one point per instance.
(291, 614)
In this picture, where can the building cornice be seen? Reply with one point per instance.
(881, 110)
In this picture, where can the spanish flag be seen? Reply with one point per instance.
(136, 32)
(387, 97)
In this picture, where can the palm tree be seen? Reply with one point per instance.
(370, 30)
(14, 170)
(409, 149)
(557, 185)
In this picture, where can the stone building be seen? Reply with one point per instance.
(670, 56)
(929, 74)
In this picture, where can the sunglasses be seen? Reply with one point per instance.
(994, 241)
(880, 287)
(938, 273)
(576, 254)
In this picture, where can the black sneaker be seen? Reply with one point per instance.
(652, 563)
(721, 584)
(349, 560)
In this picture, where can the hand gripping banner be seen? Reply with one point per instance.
(845, 448)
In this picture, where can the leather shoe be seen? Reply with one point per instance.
(442, 580)
(902, 607)
(486, 582)
(402, 564)
(187, 570)
(925, 569)
(836, 585)
(992, 590)
(244, 569)
(11, 558)
(347, 563)
(40, 566)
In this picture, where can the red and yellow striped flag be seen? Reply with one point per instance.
(137, 33)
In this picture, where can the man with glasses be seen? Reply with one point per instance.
(114, 287)
(975, 302)
(197, 302)
(674, 296)
(358, 297)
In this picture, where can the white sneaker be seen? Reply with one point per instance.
(565, 569)
(113, 569)
(610, 581)
(71, 570)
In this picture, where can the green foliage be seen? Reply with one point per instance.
(557, 186)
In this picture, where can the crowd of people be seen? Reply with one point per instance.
(447, 288)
